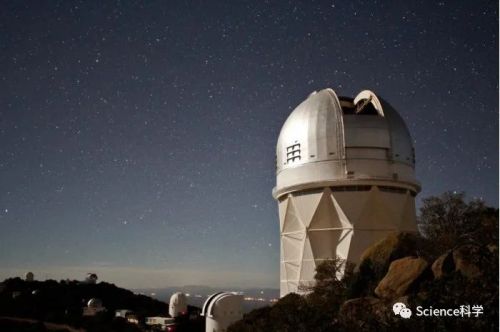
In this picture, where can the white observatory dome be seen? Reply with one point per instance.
(94, 303)
(91, 278)
(178, 304)
(29, 276)
(341, 140)
(222, 310)
(345, 178)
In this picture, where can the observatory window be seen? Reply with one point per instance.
(293, 153)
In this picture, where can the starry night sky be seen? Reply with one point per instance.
(137, 139)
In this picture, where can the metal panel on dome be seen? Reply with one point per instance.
(367, 137)
(316, 124)
(401, 142)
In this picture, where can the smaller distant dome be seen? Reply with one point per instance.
(223, 304)
(91, 278)
(94, 303)
(29, 276)
(178, 304)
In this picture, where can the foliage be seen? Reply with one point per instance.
(292, 313)
(332, 285)
(190, 322)
(376, 259)
(447, 221)
(299, 313)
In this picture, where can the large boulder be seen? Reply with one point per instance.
(403, 273)
(443, 265)
(468, 259)
(395, 245)
(375, 261)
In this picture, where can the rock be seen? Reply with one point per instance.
(444, 264)
(395, 245)
(467, 259)
(402, 274)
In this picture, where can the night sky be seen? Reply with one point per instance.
(137, 139)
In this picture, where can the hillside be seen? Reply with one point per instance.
(62, 302)
(445, 279)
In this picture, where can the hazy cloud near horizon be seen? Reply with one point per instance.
(138, 277)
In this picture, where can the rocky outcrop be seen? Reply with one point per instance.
(443, 265)
(375, 260)
(394, 246)
(402, 274)
(467, 259)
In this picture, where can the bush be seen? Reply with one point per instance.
(448, 221)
